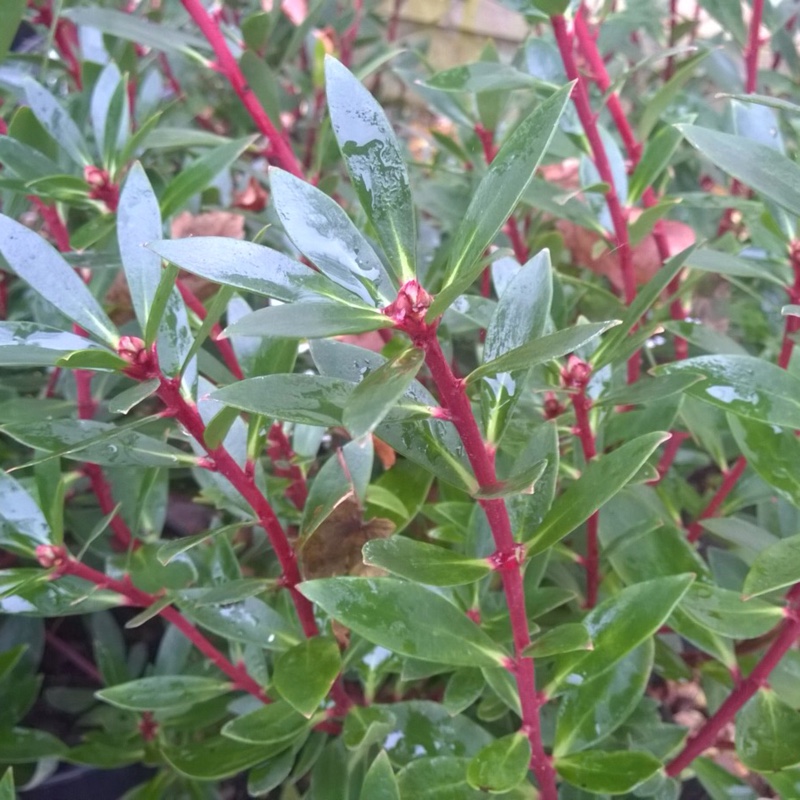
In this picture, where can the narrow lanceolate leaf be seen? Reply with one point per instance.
(7, 791)
(29, 344)
(743, 385)
(309, 321)
(374, 397)
(424, 563)
(566, 638)
(138, 224)
(602, 772)
(600, 481)
(163, 692)
(322, 231)
(275, 724)
(216, 757)
(375, 163)
(47, 273)
(380, 782)
(305, 673)
(388, 611)
(22, 524)
(498, 194)
(725, 612)
(774, 568)
(540, 350)
(768, 733)
(501, 765)
(305, 399)
(756, 165)
(247, 266)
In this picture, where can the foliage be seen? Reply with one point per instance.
(487, 425)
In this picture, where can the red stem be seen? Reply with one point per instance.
(350, 35)
(580, 97)
(753, 43)
(746, 688)
(281, 152)
(673, 20)
(223, 345)
(726, 487)
(69, 652)
(506, 558)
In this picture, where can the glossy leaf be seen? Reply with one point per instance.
(380, 782)
(774, 568)
(27, 745)
(305, 399)
(756, 165)
(163, 692)
(29, 344)
(601, 772)
(216, 757)
(649, 390)
(589, 713)
(480, 76)
(305, 673)
(745, 386)
(498, 194)
(387, 611)
(543, 349)
(367, 725)
(23, 526)
(322, 231)
(768, 733)
(46, 271)
(601, 480)
(708, 260)
(309, 321)
(424, 563)
(375, 163)
(378, 392)
(501, 765)
(566, 638)
(273, 724)
(726, 613)
(437, 778)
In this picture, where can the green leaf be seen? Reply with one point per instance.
(375, 164)
(200, 173)
(589, 713)
(29, 344)
(163, 692)
(380, 782)
(768, 733)
(436, 778)
(743, 385)
(542, 349)
(523, 483)
(125, 401)
(322, 231)
(774, 568)
(309, 321)
(707, 260)
(56, 121)
(773, 454)
(566, 638)
(24, 161)
(721, 784)
(22, 524)
(47, 273)
(648, 390)
(375, 396)
(305, 673)
(138, 223)
(424, 563)
(7, 791)
(622, 622)
(480, 76)
(304, 399)
(501, 765)
(600, 481)
(756, 165)
(726, 613)
(387, 611)
(601, 772)
(26, 746)
(274, 724)
(13, 13)
(658, 152)
(216, 758)
(497, 195)
(367, 725)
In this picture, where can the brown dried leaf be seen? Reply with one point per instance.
(211, 223)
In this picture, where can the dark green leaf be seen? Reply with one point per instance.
(46, 271)
(768, 733)
(498, 194)
(13, 13)
(424, 563)
(380, 782)
(378, 392)
(774, 568)
(648, 390)
(367, 725)
(658, 152)
(274, 724)
(387, 611)
(305, 673)
(26, 745)
(601, 772)
(24, 161)
(721, 784)
(707, 260)
(7, 791)
(543, 349)
(480, 76)
(725, 613)
(309, 321)
(501, 765)
(564, 638)
(217, 757)
(523, 483)
(22, 524)
(437, 778)
(375, 163)
(163, 692)
(601, 480)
